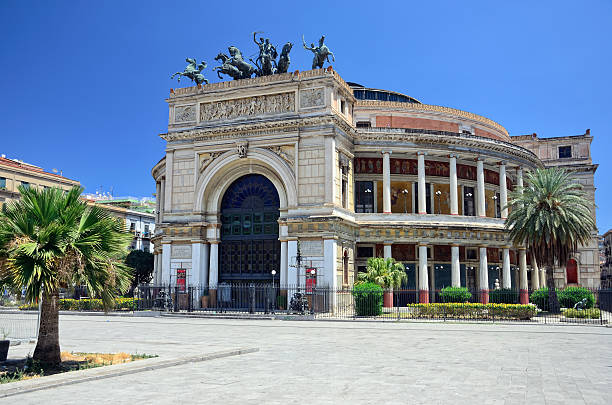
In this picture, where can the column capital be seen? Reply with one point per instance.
(386, 151)
(423, 244)
(421, 153)
(479, 159)
(454, 245)
(453, 155)
(502, 163)
(214, 242)
(387, 243)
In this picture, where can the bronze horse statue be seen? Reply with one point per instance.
(226, 68)
(283, 61)
(192, 71)
(321, 53)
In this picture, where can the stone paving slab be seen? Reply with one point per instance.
(343, 362)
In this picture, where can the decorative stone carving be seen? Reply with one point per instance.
(241, 148)
(184, 113)
(181, 251)
(311, 247)
(311, 98)
(285, 152)
(250, 106)
(206, 161)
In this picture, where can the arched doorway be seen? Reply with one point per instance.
(572, 271)
(249, 248)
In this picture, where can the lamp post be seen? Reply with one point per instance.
(438, 194)
(405, 192)
(273, 291)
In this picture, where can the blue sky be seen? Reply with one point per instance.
(84, 83)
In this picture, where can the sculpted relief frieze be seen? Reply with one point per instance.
(250, 106)
(285, 152)
(311, 98)
(184, 113)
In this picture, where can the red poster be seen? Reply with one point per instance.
(181, 279)
(311, 279)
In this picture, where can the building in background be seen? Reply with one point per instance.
(572, 153)
(137, 215)
(606, 267)
(15, 173)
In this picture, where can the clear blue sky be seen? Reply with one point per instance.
(83, 83)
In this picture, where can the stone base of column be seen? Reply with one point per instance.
(386, 212)
(524, 297)
(484, 296)
(388, 299)
(423, 296)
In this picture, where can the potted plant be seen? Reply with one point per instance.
(4, 345)
(387, 273)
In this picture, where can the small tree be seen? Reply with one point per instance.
(551, 217)
(50, 239)
(142, 263)
(387, 273)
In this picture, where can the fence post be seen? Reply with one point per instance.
(176, 298)
(251, 298)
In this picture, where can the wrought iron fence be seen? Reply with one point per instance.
(594, 305)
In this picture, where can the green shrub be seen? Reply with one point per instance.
(540, 298)
(592, 313)
(89, 304)
(572, 295)
(472, 311)
(368, 299)
(504, 296)
(455, 294)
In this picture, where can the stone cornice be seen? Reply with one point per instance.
(374, 135)
(430, 108)
(254, 129)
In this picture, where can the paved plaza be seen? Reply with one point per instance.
(339, 362)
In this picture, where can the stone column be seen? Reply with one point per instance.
(535, 275)
(387, 250)
(165, 269)
(455, 266)
(422, 194)
(503, 190)
(524, 295)
(330, 263)
(483, 276)
(213, 272)
(283, 264)
(196, 263)
(423, 275)
(506, 277)
(168, 188)
(542, 277)
(292, 271)
(162, 199)
(480, 194)
(386, 182)
(330, 170)
(454, 200)
(519, 177)
(205, 265)
(157, 201)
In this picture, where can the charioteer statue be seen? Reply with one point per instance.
(321, 53)
(192, 71)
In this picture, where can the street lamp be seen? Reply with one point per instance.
(405, 192)
(438, 194)
(273, 274)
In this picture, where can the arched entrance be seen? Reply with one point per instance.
(249, 248)
(572, 271)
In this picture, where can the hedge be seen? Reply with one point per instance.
(455, 294)
(540, 298)
(472, 311)
(368, 299)
(90, 304)
(570, 296)
(504, 296)
(592, 313)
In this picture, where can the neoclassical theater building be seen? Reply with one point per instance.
(260, 171)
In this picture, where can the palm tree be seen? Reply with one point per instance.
(387, 273)
(50, 239)
(551, 217)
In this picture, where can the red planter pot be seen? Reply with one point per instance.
(388, 299)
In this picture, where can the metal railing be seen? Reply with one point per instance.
(379, 304)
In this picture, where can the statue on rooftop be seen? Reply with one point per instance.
(192, 71)
(283, 61)
(321, 53)
(234, 65)
(266, 61)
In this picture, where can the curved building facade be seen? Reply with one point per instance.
(259, 172)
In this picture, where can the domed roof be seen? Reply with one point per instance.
(365, 93)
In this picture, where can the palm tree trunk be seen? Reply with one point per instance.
(553, 300)
(47, 347)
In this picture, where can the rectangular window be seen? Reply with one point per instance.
(469, 206)
(471, 254)
(132, 226)
(344, 193)
(343, 107)
(146, 228)
(364, 196)
(25, 185)
(365, 251)
(565, 152)
(2, 183)
(364, 124)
